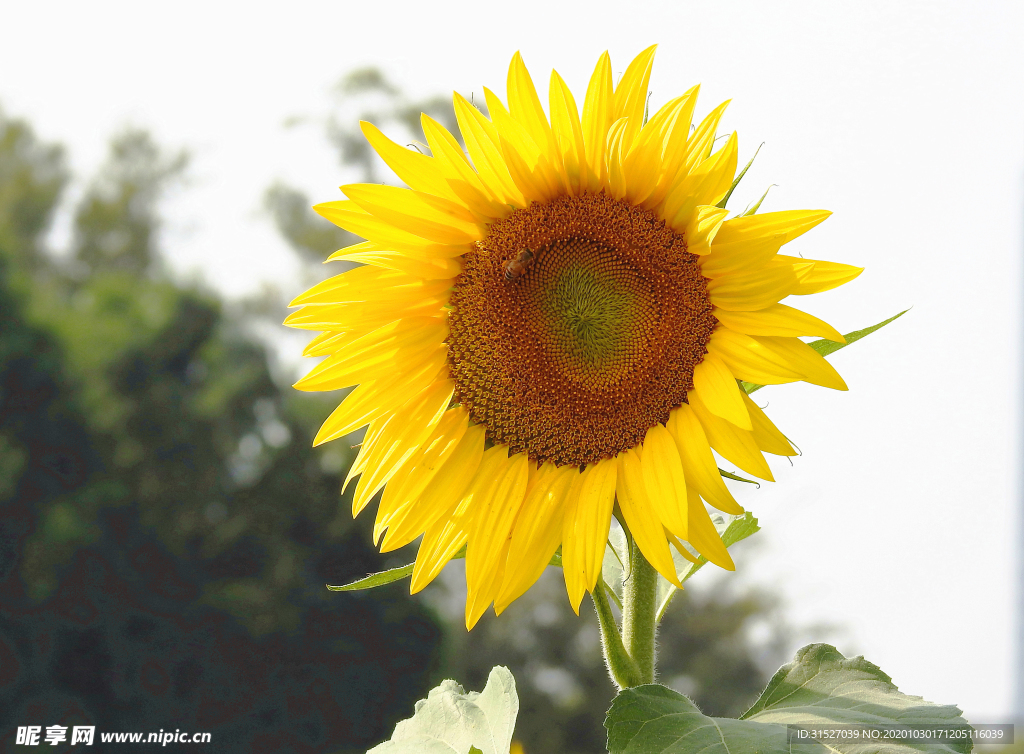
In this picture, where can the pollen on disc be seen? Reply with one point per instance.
(596, 342)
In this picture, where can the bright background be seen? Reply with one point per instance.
(901, 523)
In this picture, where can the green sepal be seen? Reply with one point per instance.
(736, 182)
(737, 477)
(731, 529)
(753, 208)
(826, 347)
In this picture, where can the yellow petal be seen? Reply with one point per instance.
(395, 504)
(424, 215)
(410, 426)
(767, 435)
(362, 317)
(702, 140)
(447, 535)
(328, 342)
(746, 242)
(756, 289)
(703, 535)
(664, 481)
(371, 284)
(372, 399)
(649, 161)
(568, 134)
(616, 178)
(593, 519)
(597, 119)
(750, 360)
(428, 269)
(353, 218)
(524, 105)
(478, 599)
(490, 534)
(777, 319)
(733, 443)
(575, 578)
(459, 175)
(705, 184)
(485, 151)
(526, 162)
(537, 533)
(680, 547)
(801, 358)
(644, 524)
(630, 98)
(703, 227)
(418, 171)
(440, 542)
(824, 276)
(429, 489)
(676, 134)
(399, 344)
(699, 465)
(719, 391)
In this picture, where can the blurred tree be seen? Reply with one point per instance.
(116, 221)
(706, 650)
(166, 528)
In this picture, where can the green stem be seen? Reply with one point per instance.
(639, 603)
(623, 670)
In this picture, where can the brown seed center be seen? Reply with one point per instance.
(571, 353)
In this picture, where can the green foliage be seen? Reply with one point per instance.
(826, 347)
(116, 221)
(450, 721)
(820, 687)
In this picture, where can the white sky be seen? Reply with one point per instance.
(906, 119)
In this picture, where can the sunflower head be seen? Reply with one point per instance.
(551, 320)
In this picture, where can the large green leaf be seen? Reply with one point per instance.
(450, 721)
(731, 529)
(820, 687)
(825, 347)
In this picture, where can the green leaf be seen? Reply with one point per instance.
(820, 687)
(738, 478)
(825, 347)
(735, 183)
(375, 579)
(731, 529)
(404, 572)
(385, 577)
(450, 721)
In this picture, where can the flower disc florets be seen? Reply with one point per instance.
(595, 343)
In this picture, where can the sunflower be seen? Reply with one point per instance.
(553, 326)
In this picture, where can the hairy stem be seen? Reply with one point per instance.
(639, 603)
